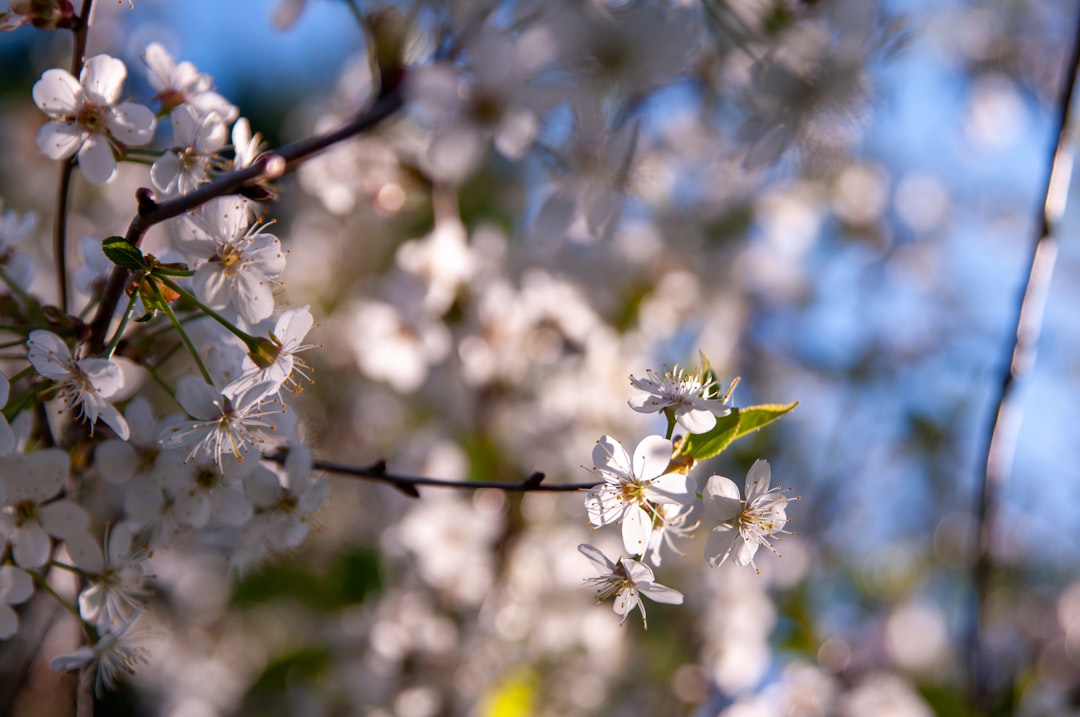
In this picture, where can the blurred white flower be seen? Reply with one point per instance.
(670, 524)
(180, 83)
(117, 592)
(14, 228)
(29, 483)
(745, 524)
(85, 384)
(630, 488)
(627, 581)
(16, 587)
(86, 117)
(115, 654)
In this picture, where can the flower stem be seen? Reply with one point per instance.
(249, 340)
(111, 348)
(180, 330)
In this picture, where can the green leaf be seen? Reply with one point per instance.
(123, 253)
(729, 428)
(701, 446)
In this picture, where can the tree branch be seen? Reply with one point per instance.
(1004, 421)
(270, 166)
(408, 484)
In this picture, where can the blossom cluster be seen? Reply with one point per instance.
(651, 496)
(188, 467)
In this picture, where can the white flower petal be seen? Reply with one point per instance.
(16, 586)
(757, 480)
(721, 541)
(57, 93)
(721, 498)
(103, 78)
(696, 420)
(85, 552)
(59, 140)
(636, 530)
(30, 546)
(601, 561)
(9, 621)
(64, 518)
(132, 124)
(96, 159)
(651, 457)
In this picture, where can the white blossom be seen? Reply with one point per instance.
(745, 524)
(628, 581)
(631, 489)
(227, 421)
(683, 395)
(87, 117)
(85, 384)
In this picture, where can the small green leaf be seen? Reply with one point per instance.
(123, 253)
(732, 427)
(701, 446)
(752, 418)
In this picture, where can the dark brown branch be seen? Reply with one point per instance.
(80, 30)
(1004, 419)
(408, 484)
(269, 166)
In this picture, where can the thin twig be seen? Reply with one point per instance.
(78, 57)
(407, 484)
(1004, 421)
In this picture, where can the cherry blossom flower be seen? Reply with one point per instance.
(115, 654)
(227, 421)
(16, 587)
(631, 489)
(30, 516)
(198, 139)
(238, 261)
(287, 337)
(628, 581)
(84, 383)
(745, 524)
(285, 504)
(680, 394)
(117, 591)
(86, 118)
(180, 83)
(14, 228)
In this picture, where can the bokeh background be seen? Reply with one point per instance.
(851, 233)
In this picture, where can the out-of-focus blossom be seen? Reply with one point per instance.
(117, 592)
(16, 586)
(29, 483)
(14, 228)
(87, 117)
(114, 656)
(180, 83)
(627, 581)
